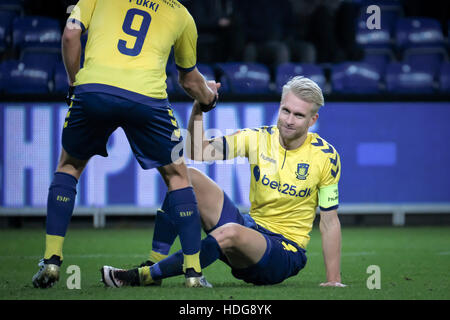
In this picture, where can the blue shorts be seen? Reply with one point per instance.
(279, 262)
(151, 130)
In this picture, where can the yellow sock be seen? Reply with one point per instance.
(192, 261)
(156, 256)
(145, 278)
(53, 246)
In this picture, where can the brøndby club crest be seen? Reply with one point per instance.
(302, 171)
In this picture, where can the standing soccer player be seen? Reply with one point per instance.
(122, 84)
(293, 172)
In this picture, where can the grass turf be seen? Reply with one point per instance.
(414, 264)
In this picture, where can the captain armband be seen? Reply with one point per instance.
(329, 197)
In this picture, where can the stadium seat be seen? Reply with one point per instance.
(21, 78)
(431, 61)
(245, 78)
(60, 79)
(172, 73)
(378, 60)
(355, 77)
(444, 78)
(6, 18)
(288, 70)
(403, 78)
(36, 33)
(46, 58)
(378, 39)
(424, 33)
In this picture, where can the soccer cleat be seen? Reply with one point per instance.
(197, 282)
(47, 275)
(116, 278)
(194, 279)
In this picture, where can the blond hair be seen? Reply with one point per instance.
(305, 89)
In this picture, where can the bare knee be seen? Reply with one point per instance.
(228, 236)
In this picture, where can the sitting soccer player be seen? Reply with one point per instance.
(293, 172)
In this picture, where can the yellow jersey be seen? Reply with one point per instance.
(129, 42)
(287, 185)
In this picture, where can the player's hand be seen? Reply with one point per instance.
(333, 284)
(69, 95)
(214, 86)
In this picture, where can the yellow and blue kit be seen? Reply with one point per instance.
(287, 185)
(122, 82)
(285, 189)
(129, 42)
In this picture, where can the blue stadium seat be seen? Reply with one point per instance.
(288, 70)
(38, 33)
(49, 59)
(6, 18)
(355, 77)
(404, 78)
(60, 78)
(172, 76)
(245, 78)
(444, 78)
(431, 61)
(376, 38)
(21, 78)
(419, 33)
(380, 39)
(378, 60)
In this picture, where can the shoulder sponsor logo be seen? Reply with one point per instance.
(268, 158)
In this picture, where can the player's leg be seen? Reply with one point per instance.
(154, 136)
(242, 246)
(215, 209)
(183, 210)
(86, 130)
(210, 200)
(60, 205)
(164, 235)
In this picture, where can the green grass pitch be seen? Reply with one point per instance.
(414, 264)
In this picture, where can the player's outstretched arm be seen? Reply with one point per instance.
(330, 229)
(198, 147)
